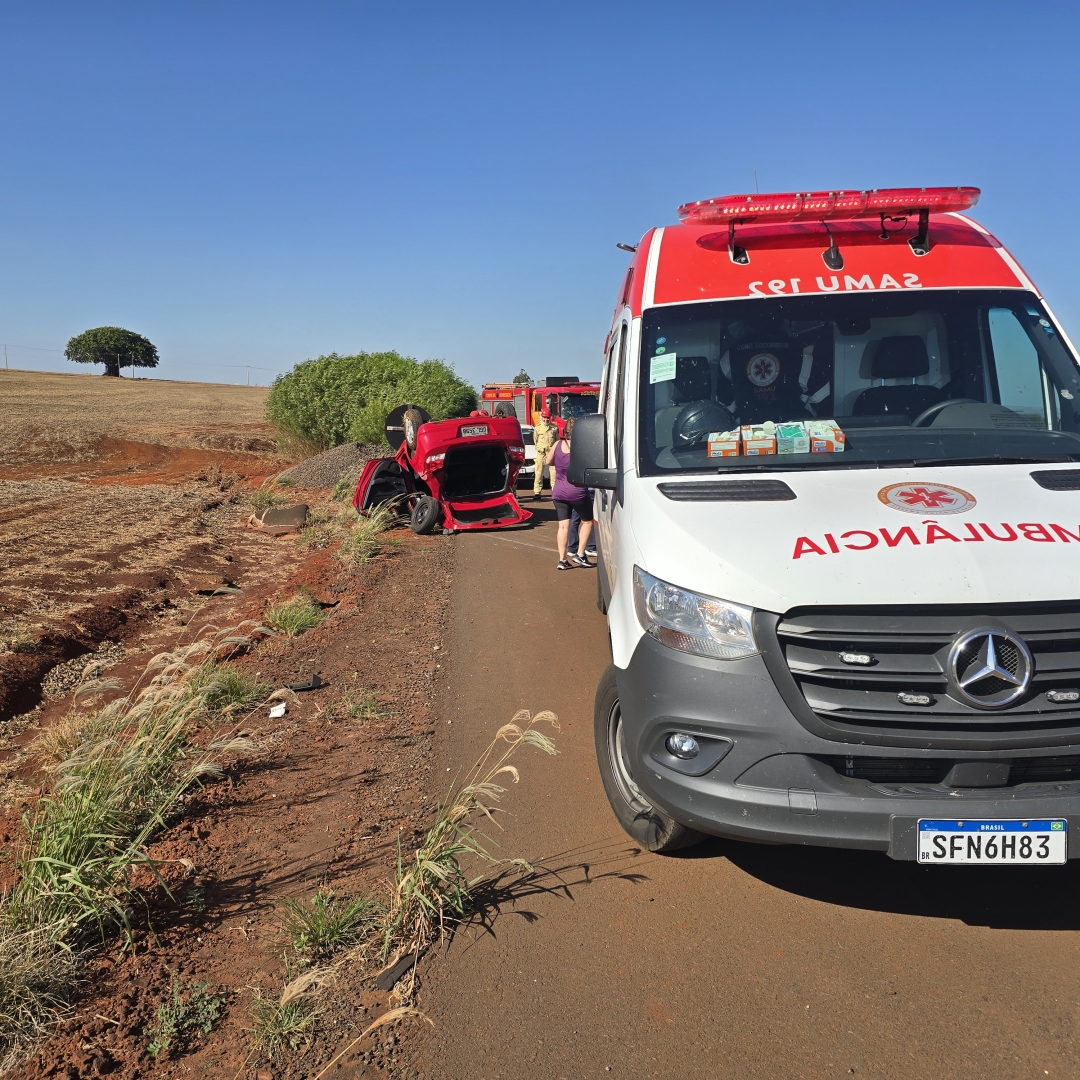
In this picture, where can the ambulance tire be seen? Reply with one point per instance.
(649, 826)
(425, 515)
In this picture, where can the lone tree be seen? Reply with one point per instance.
(522, 378)
(112, 346)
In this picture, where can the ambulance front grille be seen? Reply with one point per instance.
(908, 649)
(922, 770)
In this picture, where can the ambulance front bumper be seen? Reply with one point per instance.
(778, 783)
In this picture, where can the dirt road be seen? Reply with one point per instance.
(730, 960)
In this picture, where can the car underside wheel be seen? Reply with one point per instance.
(649, 826)
(425, 514)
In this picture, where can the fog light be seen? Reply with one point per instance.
(1060, 697)
(865, 659)
(907, 697)
(682, 746)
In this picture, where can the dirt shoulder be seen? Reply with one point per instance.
(122, 515)
(327, 804)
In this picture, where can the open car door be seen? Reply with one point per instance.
(383, 479)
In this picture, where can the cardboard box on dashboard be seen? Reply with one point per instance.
(758, 439)
(724, 444)
(826, 437)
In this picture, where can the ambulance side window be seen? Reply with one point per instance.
(609, 377)
(620, 394)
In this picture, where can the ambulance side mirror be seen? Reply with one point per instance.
(588, 454)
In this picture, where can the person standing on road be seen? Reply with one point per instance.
(544, 436)
(568, 498)
(575, 525)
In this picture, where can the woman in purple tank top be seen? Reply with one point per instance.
(567, 498)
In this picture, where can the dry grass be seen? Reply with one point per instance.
(38, 972)
(391, 1016)
(286, 1019)
(223, 690)
(123, 778)
(320, 532)
(18, 640)
(429, 896)
(64, 736)
(431, 892)
(54, 417)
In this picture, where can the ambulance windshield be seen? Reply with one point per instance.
(856, 380)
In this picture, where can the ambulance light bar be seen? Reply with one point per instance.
(818, 205)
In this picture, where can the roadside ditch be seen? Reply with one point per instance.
(338, 784)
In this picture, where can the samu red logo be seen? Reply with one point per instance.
(926, 498)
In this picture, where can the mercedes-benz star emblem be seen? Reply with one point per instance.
(990, 668)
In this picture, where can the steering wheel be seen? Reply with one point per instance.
(929, 414)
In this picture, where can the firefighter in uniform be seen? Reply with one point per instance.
(545, 437)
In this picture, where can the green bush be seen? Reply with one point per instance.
(336, 399)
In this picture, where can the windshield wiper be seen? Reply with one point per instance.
(801, 462)
(998, 459)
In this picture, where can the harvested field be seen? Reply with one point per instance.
(61, 419)
(122, 536)
(118, 497)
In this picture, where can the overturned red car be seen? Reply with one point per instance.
(458, 473)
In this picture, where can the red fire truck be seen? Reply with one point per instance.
(562, 395)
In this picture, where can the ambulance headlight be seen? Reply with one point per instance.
(693, 623)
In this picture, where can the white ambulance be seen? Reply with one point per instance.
(838, 504)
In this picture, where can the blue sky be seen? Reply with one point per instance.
(255, 184)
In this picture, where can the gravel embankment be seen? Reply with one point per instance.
(325, 470)
(65, 677)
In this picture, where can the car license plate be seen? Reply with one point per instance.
(985, 843)
(476, 429)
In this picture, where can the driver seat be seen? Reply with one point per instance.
(899, 357)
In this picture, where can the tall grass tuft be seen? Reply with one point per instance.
(430, 895)
(285, 1019)
(264, 498)
(293, 617)
(431, 891)
(129, 767)
(363, 542)
(224, 690)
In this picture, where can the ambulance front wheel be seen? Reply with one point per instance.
(648, 825)
(425, 515)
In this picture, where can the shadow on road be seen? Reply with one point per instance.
(1013, 898)
(560, 875)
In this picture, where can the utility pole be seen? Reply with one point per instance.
(249, 376)
(5, 359)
